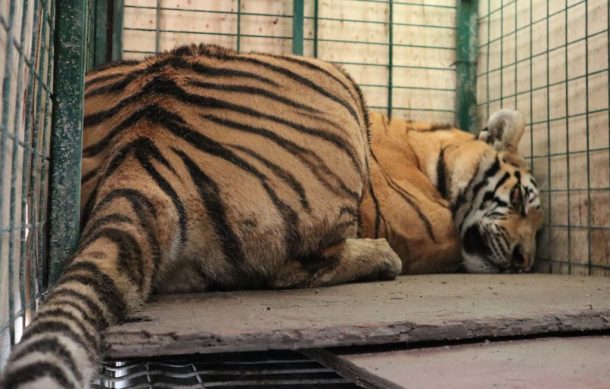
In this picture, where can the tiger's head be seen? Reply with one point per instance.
(499, 211)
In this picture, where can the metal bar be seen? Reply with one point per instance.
(209, 11)
(390, 57)
(316, 19)
(41, 138)
(543, 87)
(339, 20)
(238, 38)
(14, 204)
(589, 172)
(515, 58)
(117, 30)
(28, 219)
(567, 108)
(541, 53)
(487, 94)
(531, 86)
(158, 26)
(548, 124)
(66, 142)
(101, 32)
(355, 42)
(466, 62)
(6, 94)
(532, 21)
(297, 27)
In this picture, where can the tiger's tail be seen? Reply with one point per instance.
(110, 275)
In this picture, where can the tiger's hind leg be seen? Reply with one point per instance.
(347, 261)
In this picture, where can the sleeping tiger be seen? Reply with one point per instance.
(445, 201)
(206, 169)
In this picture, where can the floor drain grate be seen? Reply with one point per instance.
(282, 369)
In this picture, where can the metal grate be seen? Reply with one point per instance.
(41, 67)
(269, 370)
(549, 59)
(26, 70)
(402, 53)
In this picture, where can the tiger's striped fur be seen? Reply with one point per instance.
(206, 169)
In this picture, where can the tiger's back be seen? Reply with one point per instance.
(244, 124)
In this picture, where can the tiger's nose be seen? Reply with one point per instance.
(519, 260)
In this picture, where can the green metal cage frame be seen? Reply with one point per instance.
(45, 163)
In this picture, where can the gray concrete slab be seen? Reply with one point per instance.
(548, 363)
(412, 308)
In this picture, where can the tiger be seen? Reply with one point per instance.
(208, 169)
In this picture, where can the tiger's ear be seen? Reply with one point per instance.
(504, 130)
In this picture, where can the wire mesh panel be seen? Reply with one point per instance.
(549, 59)
(26, 69)
(402, 53)
(41, 62)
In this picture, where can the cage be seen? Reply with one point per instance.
(453, 61)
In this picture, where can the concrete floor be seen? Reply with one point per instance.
(409, 309)
(548, 363)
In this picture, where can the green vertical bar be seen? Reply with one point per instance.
(487, 72)
(66, 139)
(502, 55)
(516, 58)
(42, 137)
(238, 25)
(158, 27)
(298, 16)
(117, 30)
(390, 56)
(101, 32)
(315, 28)
(531, 90)
(607, 273)
(548, 128)
(588, 129)
(466, 61)
(567, 114)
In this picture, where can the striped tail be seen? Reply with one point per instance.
(110, 275)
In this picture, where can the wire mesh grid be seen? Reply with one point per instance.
(402, 53)
(26, 69)
(40, 67)
(549, 59)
